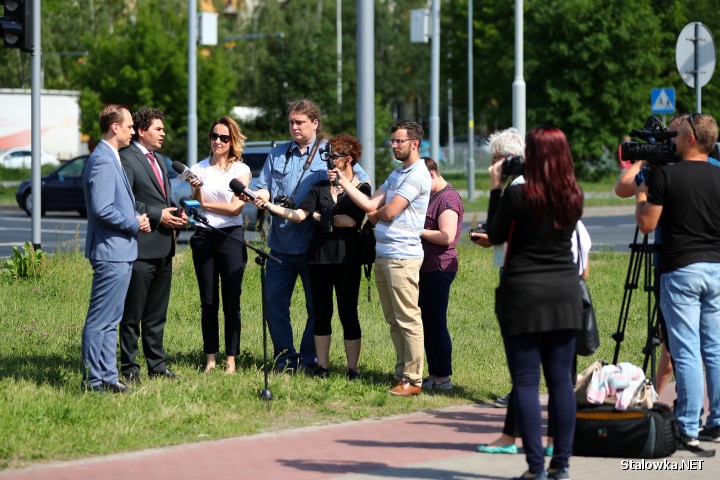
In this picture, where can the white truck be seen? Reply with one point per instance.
(59, 124)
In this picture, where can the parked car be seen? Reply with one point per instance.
(22, 158)
(254, 156)
(62, 189)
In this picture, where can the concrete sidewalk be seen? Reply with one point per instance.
(436, 444)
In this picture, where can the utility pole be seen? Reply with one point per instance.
(471, 114)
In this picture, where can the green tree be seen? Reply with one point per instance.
(143, 61)
(66, 27)
(589, 65)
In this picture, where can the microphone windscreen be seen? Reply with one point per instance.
(178, 167)
(237, 186)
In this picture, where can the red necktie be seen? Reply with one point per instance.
(155, 168)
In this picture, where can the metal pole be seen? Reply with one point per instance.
(192, 83)
(696, 68)
(518, 86)
(471, 115)
(451, 126)
(366, 85)
(435, 82)
(338, 24)
(35, 125)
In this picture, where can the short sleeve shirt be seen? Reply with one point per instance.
(689, 192)
(442, 258)
(400, 237)
(216, 189)
(285, 173)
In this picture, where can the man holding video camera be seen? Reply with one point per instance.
(683, 200)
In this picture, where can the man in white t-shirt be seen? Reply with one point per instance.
(398, 209)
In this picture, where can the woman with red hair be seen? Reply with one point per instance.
(538, 301)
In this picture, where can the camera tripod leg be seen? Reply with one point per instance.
(632, 280)
(641, 260)
(265, 392)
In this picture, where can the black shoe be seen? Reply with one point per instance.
(117, 387)
(353, 375)
(167, 374)
(501, 401)
(321, 372)
(711, 434)
(132, 377)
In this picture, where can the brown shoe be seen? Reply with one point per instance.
(405, 389)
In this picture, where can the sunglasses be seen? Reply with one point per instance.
(691, 121)
(223, 138)
(692, 124)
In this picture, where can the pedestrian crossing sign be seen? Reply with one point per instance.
(662, 100)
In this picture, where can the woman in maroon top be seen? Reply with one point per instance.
(443, 224)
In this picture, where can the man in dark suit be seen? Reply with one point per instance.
(149, 292)
(111, 247)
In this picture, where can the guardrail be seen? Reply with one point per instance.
(457, 162)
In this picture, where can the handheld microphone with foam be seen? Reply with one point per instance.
(184, 173)
(192, 207)
(239, 188)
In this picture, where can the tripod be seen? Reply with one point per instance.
(261, 259)
(641, 260)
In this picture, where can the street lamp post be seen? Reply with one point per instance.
(192, 83)
(471, 115)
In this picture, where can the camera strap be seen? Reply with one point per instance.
(306, 165)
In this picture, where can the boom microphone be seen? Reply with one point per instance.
(192, 207)
(184, 173)
(239, 188)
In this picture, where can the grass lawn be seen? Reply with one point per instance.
(45, 416)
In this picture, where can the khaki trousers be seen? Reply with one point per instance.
(398, 288)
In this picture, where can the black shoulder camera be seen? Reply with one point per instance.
(658, 149)
(329, 157)
(513, 166)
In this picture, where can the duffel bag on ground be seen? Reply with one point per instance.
(603, 431)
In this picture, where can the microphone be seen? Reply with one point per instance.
(192, 207)
(239, 188)
(184, 173)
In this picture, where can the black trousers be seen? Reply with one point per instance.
(219, 266)
(145, 314)
(345, 279)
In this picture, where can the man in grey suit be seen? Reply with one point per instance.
(111, 247)
(149, 292)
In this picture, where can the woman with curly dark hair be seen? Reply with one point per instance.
(333, 255)
(538, 302)
(220, 260)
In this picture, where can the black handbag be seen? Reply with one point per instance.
(588, 337)
(367, 250)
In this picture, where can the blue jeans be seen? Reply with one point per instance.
(279, 286)
(690, 302)
(434, 296)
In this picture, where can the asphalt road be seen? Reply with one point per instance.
(609, 228)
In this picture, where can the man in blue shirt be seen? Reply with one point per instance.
(289, 173)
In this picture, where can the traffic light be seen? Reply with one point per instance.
(16, 24)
